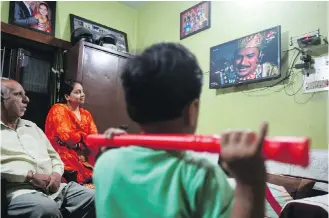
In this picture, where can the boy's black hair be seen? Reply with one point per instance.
(160, 82)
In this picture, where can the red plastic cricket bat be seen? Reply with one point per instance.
(291, 150)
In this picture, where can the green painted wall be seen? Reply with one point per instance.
(112, 14)
(159, 21)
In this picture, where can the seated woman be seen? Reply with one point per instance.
(67, 126)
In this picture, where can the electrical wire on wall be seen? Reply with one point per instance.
(292, 81)
(326, 42)
(288, 74)
(291, 76)
(295, 73)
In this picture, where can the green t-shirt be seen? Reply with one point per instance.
(140, 182)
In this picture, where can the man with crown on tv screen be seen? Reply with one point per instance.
(248, 59)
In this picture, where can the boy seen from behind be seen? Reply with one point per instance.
(162, 91)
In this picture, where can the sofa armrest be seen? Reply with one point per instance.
(313, 207)
(298, 188)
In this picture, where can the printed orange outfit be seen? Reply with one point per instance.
(65, 131)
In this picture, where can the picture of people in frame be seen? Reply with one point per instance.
(195, 19)
(36, 15)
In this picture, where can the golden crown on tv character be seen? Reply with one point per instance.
(248, 57)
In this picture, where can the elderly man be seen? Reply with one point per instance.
(32, 167)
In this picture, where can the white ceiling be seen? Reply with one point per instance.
(134, 4)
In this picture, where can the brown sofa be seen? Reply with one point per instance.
(299, 188)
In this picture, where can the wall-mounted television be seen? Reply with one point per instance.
(249, 59)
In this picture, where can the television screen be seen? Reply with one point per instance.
(249, 59)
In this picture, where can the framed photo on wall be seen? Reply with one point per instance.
(99, 30)
(195, 19)
(38, 16)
